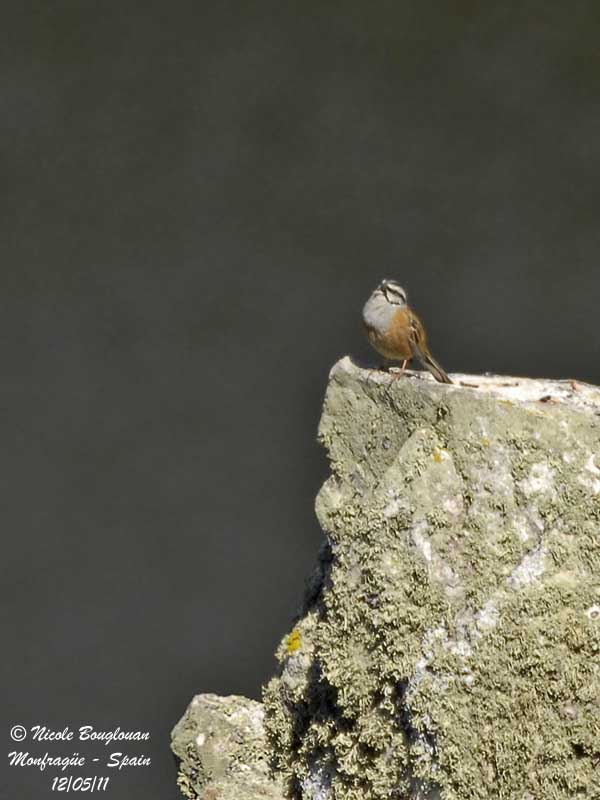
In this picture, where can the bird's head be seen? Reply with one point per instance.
(393, 292)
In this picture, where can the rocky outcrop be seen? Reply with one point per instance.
(223, 754)
(449, 646)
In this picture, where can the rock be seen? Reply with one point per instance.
(221, 744)
(449, 644)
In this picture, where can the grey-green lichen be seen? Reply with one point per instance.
(223, 753)
(450, 643)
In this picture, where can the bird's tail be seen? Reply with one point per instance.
(436, 370)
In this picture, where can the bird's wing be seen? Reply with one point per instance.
(420, 349)
(416, 337)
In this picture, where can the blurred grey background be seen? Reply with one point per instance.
(196, 200)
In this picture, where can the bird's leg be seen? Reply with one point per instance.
(399, 374)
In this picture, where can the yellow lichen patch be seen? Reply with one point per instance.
(294, 641)
(437, 455)
(485, 441)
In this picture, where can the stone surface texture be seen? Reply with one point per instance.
(221, 744)
(449, 644)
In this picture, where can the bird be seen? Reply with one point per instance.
(395, 330)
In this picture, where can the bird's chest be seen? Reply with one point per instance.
(392, 339)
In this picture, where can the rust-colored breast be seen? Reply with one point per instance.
(396, 343)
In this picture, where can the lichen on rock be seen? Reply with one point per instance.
(449, 643)
(449, 648)
(222, 749)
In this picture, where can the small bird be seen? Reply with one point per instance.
(396, 332)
